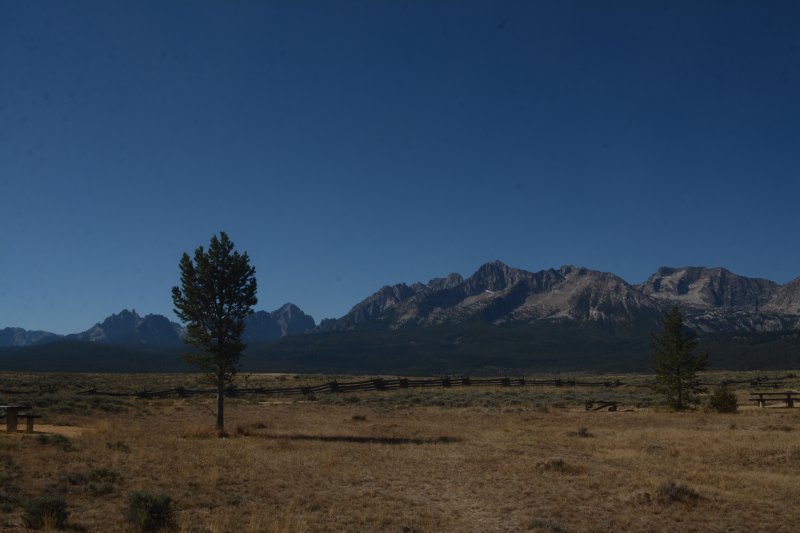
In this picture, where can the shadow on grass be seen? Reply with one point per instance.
(359, 439)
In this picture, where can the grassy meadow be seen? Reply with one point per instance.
(460, 459)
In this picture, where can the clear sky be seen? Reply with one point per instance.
(347, 145)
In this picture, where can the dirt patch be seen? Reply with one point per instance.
(67, 431)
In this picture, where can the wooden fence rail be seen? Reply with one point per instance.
(375, 384)
(385, 384)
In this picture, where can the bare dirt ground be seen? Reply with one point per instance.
(406, 462)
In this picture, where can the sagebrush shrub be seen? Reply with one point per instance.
(119, 445)
(59, 441)
(103, 475)
(147, 512)
(100, 488)
(671, 492)
(46, 512)
(723, 400)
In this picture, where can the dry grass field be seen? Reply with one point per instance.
(458, 460)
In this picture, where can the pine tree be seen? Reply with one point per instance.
(676, 365)
(217, 293)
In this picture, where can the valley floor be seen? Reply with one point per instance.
(413, 461)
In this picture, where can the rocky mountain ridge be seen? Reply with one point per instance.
(22, 337)
(712, 300)
(288, 319)
(128, 328)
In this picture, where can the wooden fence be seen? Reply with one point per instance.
(374, 384)
(386, 384)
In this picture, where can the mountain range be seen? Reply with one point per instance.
(499, 317)
(711, 299)
(128, 328)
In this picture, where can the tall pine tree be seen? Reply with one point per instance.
(217, 292)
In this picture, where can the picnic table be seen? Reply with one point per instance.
(12, 415)
(788, 397)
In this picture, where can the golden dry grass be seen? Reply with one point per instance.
(394, 466)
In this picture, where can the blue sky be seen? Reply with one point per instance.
(347, 145)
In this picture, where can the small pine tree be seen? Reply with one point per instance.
(676, 365)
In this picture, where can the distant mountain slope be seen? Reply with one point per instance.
(289, 319)
(129, 329)
(21, 337)
(708, 288)
(499, 319)
(69, 355)
(717, 300)
(712, 300)
(496, 294)
(479, 348)
(787, 298)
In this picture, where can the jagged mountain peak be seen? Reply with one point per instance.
(494, 276)
(129, 328)
(288, 319)
(287, 309)
(452, 280)
(498, 293)
(708, 287)
(712, 299)
(292, 320)
(124, 318)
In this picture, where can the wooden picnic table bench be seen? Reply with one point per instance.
(12, 415)
(788, 397)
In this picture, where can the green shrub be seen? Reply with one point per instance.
(46, 512)
(723, 400)
(147, 512)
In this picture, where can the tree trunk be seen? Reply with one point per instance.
(220, 405)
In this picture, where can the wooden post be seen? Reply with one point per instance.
(11, 419)
(29, 424)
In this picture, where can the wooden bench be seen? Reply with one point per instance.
(29, 417)
(12, 415)
(788, 397)
(600, 405)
